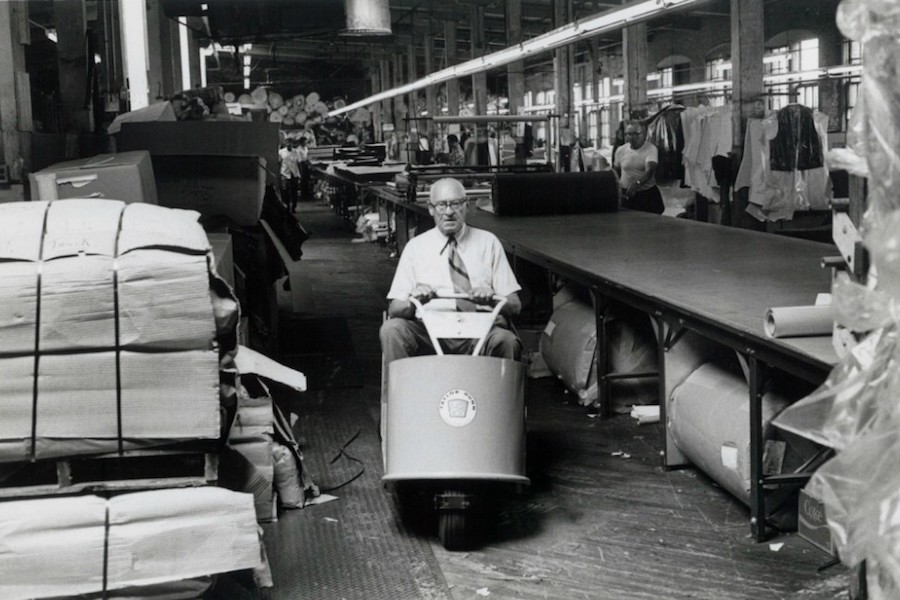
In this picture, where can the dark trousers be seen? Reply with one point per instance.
(648, 201)
(305, 178)
(289, 192)
(401, 338)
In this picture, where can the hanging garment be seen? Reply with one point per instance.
(707, 134)
(665, 131)
(776, 194)
(796, 146)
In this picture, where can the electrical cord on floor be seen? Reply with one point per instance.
(342, 452)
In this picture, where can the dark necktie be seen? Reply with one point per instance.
(459, 276)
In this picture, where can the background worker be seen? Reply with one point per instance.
(290, 174)
(451, 256)
(302, 152)
(635, 162)
(455, 155)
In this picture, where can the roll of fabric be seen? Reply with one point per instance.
(796, 321)
(527, 194)
(708, 419)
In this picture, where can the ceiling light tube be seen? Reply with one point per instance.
(610, 20)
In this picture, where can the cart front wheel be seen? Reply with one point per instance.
(453, 530)
(456, 517)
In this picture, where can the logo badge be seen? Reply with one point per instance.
(457, 408)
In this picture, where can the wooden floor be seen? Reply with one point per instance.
(595, 524)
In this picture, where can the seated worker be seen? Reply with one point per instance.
(635, 163)
(451, 257)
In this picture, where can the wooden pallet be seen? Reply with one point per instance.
(132, 470)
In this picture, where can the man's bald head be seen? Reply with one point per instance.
(446, 189)
(447, 205)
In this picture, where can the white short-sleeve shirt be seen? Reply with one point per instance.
(633, 162)
(425, 261)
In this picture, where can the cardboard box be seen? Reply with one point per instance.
(104, 269)
(811, 524)
(127, 176)
(56, 547)
(217, 168)
(162, 296)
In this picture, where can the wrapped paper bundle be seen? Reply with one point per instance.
(144, 538)
(107, 320)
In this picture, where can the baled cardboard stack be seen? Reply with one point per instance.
(64, 546)
(107, 328)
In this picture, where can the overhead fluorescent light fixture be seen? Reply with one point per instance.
(593, 25)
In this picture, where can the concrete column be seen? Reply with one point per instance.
(431, 91)
(133, 29)
(400, 108)
(411, 76)
(479, 80)
(194, 59)
(615, 69)
(110, 51)
(156, 77)
(384, 72)
(515, 76)
(563, 63)
(72, 59)
(747, 48)
(634, 53)
(15, 90)
(594, 59)
(452, 85)
(170, 56)
(586, 80)
(375, 79)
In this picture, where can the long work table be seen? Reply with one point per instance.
(711, 281)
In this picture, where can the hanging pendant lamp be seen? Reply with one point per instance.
(367, 17)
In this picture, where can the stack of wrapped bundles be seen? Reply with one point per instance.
(111, 328)
(56, 547)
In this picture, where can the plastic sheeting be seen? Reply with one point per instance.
(857, 409)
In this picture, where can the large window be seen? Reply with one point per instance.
(800, 59)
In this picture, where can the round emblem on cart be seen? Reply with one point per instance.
(457, 408)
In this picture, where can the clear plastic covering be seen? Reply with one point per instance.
(857, 409)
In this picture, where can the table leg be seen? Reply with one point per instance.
(601, 352)
(757, 490)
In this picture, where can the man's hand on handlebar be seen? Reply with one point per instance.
(423, 293)
(482, 295)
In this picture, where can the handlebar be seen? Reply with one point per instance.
(500, 300)
(479, 329)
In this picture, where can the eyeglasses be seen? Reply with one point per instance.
(633, 133)
(443, 205)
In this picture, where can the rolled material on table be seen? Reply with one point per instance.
(795, 321)
(526, 194)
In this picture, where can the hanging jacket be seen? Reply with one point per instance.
(797, 146)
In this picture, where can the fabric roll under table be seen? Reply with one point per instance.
(795, 321)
